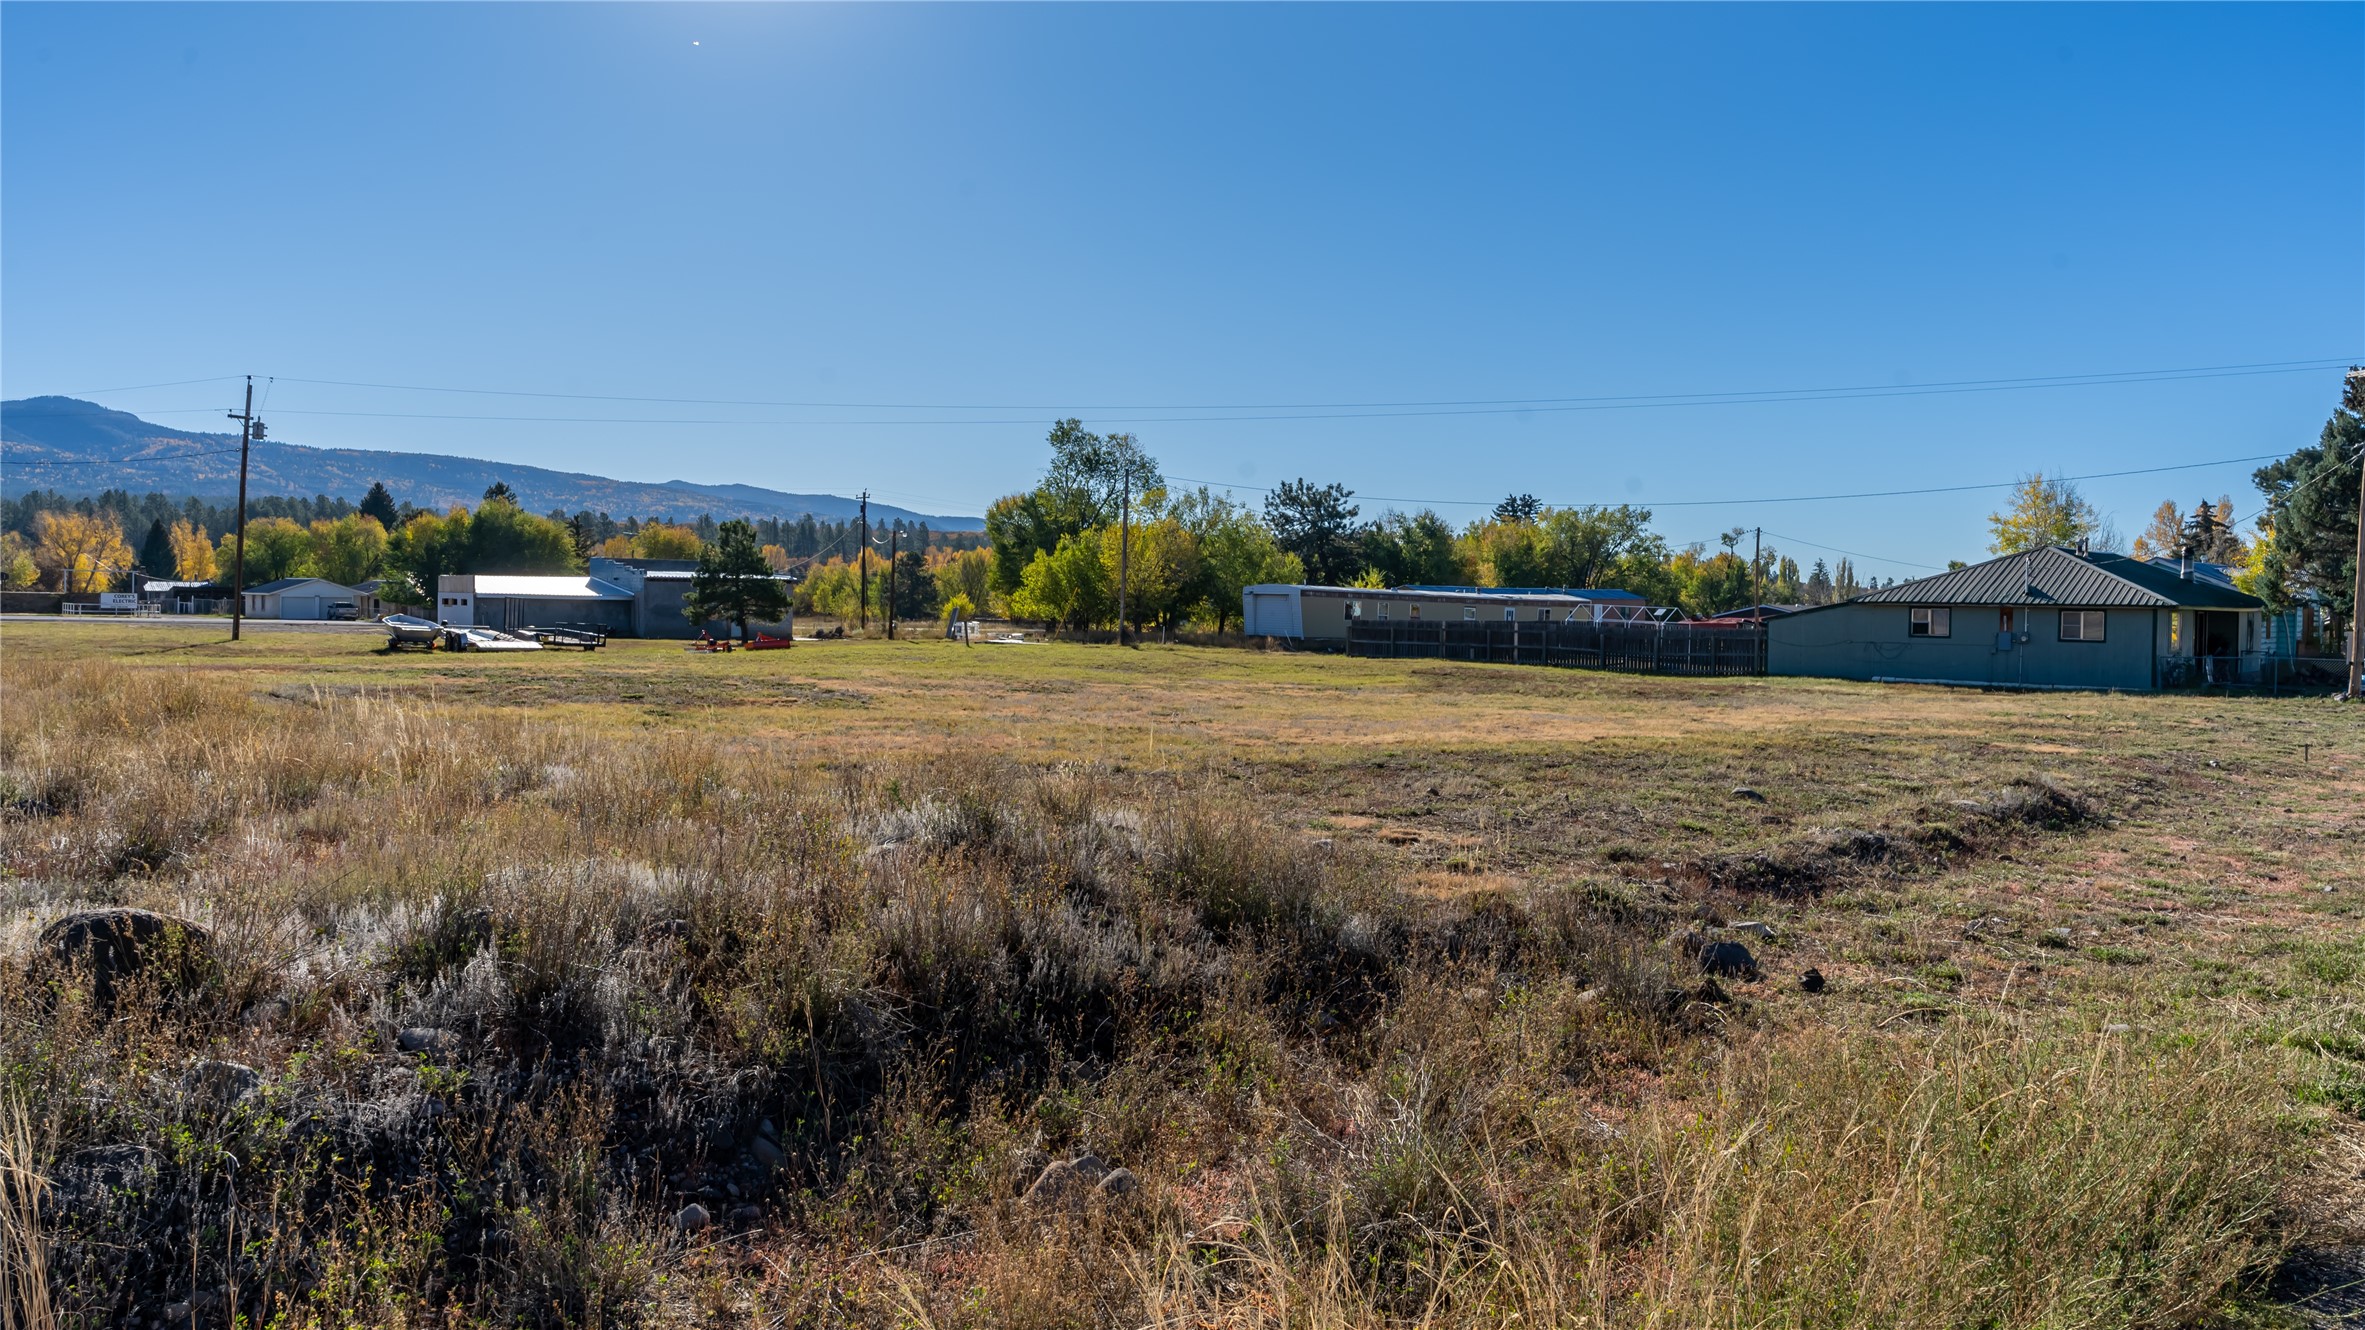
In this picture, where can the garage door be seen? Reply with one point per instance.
(300, 607)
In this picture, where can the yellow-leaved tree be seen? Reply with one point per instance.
(2047, 512)
(192, 553)
(87, 553)
(17, 568)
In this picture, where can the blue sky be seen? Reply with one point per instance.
(1153, 216)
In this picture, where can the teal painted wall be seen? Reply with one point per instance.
(1872, 642)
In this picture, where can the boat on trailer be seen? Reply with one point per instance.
(409, 630)
(485, 639)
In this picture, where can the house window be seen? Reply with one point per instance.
(1469, 611)
(2176, 632)
(1509, 615)
(1932, 621)
(1414, 613)
(1383, 611)
(1354, 609)
(2081, 625)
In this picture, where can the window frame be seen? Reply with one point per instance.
(2101, 620)
(1932, 621)
(1469, 614)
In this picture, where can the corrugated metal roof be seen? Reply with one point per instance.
(2055, 576)
(549, 588)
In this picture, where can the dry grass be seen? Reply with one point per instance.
(1451, 1078)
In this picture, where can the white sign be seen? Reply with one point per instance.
(119, 600)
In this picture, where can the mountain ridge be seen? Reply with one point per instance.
(74, 446)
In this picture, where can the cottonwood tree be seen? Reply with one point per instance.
(1419, 550)
(1317, 524)
(2047, 512)
(192, 553)
(83, 550)
(734, 582)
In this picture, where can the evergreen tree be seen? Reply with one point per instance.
(499, 492)
(734, 582)
(156, 551)
(379, 503)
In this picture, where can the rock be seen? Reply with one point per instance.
(1089, 1166)
(427, 1039)
(745, 1215)
(90, 1183)
(1688, 943)
(116, 946)
(1591, 997)
(220, 1084)
(1711, 992)
(767, 1154)
(2054, 937)
(1326, 843)
(766, 1129)
(1763, 932)
(1119, 1182)
(28, 807)
(178, 1314)
(692, 1218)
(1060, 1185)
(1026, 1165)
(2116, 1029)
(1744, 792)
(1727, 958)
(1812, 980)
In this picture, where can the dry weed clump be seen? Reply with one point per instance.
(513, 1023)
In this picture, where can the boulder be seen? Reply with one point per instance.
(427, 1039)
(692, 1218)
(1730, 959)
(1743, 792)
(220, 1085)
(1812, 980)
(1060, 1186)
(1761, 931)
(117, 946)
(1118, 1182)
(1026, 1165)
(766, 1153)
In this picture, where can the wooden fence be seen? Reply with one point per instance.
(1634, 648)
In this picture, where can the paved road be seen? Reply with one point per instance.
(197, 622)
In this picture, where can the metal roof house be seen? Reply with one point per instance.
(511, 602)
(1324, 613)
(2047, 618)
(296, 598)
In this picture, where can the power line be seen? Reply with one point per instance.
(1853, 554)
(1792, 498)
(117, 461)
(137, 387)
(1767, 398)
(1512, 404)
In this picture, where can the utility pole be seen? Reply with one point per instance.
(249, 429)
(1124, 545)
(2353, 397)
(1757, 574)
(862, 588)
(894, 531)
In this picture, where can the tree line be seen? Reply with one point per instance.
(115, 538)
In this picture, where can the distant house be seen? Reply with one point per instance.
(2047, 618)
(1752, 613)
(368, 601)
(296, 598)
(620, 597)
(186, 597)
(661, 595)
(510, 602)
(1323, 613)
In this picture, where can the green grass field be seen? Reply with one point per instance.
(1370, 972)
